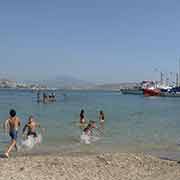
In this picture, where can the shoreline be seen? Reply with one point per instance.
(162, 155)
(91, 166)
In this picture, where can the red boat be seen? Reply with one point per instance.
(151, 92)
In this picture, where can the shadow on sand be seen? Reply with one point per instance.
(2, 156)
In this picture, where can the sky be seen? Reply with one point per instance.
(94, 40)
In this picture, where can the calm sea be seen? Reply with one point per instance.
(133, 123)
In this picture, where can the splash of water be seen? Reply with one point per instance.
(85, 139)
(31, 142)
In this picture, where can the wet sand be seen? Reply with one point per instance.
(77, 166)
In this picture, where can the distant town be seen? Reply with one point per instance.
(11, 84)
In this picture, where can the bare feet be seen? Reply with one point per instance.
(6, 155)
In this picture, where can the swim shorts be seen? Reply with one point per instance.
(13, 134)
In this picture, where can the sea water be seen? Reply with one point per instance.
(132, 122)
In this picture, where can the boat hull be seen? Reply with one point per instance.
(132, 91)
(174, 92)
(151, 92)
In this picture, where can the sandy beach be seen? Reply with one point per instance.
(117, 166)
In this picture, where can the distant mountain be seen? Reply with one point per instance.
(68, 82)
(64, 82)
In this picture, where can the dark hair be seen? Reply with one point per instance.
(101, 112)
(12, 113)
(82, 112)
(89, 125)
(31, 117)
(87, 128)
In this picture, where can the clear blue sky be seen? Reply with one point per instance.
(93, 40)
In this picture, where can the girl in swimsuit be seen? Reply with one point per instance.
(101, 118)
(82, 117)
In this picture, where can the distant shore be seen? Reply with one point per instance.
(65, 89)
(77, 166)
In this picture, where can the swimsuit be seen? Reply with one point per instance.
(101, 119)
(13, 134)
(34, 134)
(82, 121)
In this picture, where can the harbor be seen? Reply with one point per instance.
(165, 87)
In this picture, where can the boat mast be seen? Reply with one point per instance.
(177, 79)
(162, 78)
(179, 73)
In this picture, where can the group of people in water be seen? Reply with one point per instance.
(88, 130)
(12, 125)
(84, 121)
(46, 98)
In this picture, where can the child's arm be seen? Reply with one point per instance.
(41, 129)
(24, 129)
(6, 125)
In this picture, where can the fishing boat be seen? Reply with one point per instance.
(165, 87)
(156, 88)
(150, 88)
(175, 90)
(152, 91)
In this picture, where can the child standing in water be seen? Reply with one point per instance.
(31, 127)
(101, 118)
(82, 117)
(32, 138)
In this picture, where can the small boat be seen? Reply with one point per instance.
(134, 91)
